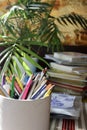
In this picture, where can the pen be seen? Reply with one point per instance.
(27, 88)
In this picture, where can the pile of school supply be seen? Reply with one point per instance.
(65, 106)
(34, 87)
(68, 71)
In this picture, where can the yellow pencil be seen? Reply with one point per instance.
(8, 79)
(49, 91)
(19, 83)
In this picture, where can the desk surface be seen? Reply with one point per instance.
(77, 124)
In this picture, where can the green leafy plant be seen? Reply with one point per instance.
(18, 38)
(26, 26)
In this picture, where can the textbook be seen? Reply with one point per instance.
(79, 84)
(67, 76)
(68, 86)
(66, 68)
(58, 89)
(71, 56)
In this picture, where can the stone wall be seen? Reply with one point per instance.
(61, 7)
(5, 5)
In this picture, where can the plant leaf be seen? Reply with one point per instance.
(5, 67)
(28, 51)
(5, 56)
(19, 64)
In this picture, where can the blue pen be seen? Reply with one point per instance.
(35, 95)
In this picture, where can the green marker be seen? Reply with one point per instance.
(12, 87)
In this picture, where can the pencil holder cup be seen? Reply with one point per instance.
(24, 114)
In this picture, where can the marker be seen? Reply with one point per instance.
(12, 87)
(27, 88)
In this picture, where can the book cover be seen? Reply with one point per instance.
(79, 84)
(66, 68)
(67, 76)
(58, 89)
(71, 56)
(64, 62)
(68, 86)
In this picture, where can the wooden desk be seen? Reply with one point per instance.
(77, 124)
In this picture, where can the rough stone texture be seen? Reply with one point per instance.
(61, 7)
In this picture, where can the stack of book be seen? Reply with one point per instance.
(68, 71)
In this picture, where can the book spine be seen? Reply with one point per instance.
(62, 57)
(60, 67)
(69, 87)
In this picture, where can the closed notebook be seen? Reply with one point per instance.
(67, 76)
(79, 84)
(71, 56)
(65, 62)
(66, 68)
(68, 86)
(67, 91)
